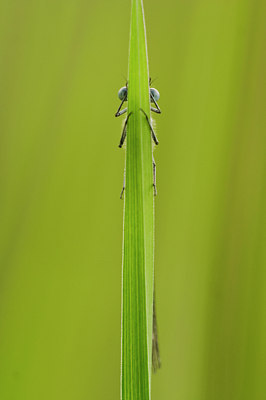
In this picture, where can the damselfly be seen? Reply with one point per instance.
(154, 97)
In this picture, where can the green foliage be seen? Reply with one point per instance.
(138, 245)
(61, 172)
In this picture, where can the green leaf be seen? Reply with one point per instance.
(138, 242)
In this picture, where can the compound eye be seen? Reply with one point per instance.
(122, 93)
(154, 92)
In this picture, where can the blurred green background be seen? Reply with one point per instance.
(61, 173)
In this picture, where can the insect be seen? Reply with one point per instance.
(154, 97)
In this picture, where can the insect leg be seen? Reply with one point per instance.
(118, 113)
(124, 133)
(151, 128)
(157, 109)
(124, 185)
(154, 176)
(121, 112)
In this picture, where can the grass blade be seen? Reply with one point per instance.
(138, 245)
